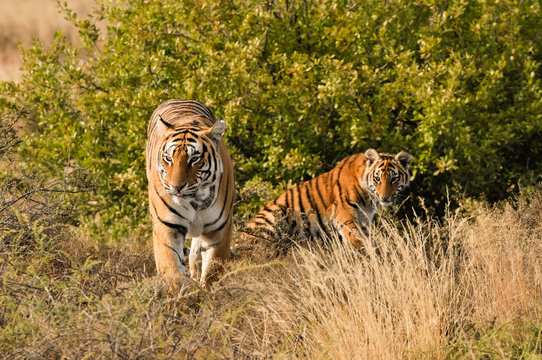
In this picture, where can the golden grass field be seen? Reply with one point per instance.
(22, 20)
(466, 287)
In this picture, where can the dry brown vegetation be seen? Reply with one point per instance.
(23, 20)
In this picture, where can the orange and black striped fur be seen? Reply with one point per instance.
(191, 189)
(343, 200)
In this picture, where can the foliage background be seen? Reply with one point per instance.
(301, 84)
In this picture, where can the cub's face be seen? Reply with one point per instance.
(387, 175)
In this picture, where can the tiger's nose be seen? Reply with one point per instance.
(179, 187)
(386, 197)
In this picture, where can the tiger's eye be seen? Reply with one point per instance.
(168, 159)
(194, 160)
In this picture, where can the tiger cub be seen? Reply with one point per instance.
(343, 200)
(191, 189)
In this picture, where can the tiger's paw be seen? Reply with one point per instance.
(179, 284)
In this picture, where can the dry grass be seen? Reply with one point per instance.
(425, 291)
(23, 20)
(467, 288)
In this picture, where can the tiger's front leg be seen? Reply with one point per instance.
(194, 260)
(168, 246)
(214, 250)
(349, 227)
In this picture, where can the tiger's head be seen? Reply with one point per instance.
(386, 175)
(188, 158)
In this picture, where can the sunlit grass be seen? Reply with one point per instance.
(467, 287)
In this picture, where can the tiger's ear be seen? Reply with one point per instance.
(165, 123)
(215, 132)
(371, 156)
(404, 158)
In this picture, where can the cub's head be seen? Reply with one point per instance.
(188, 157)
(386, 175)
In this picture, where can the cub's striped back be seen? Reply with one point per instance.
(191, 189)
(343, 200)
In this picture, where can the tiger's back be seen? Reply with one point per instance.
(343, 200)
(191, 188)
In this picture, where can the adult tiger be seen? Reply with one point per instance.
(191, 189)
(344, 199)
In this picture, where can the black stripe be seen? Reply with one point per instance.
(169, 207)
(195, 205)
(338, 182)
(206, 203)
(213, 156)
(222, 225)
(352, 204)
(219, 182)
(205, 248)
(223, 206)
(176, 140)
(204, 175)
(184, 131)
(180, 228)
(215, 171)
(267, 207)
(181, 260)
(288, 195)
(315, 208)
(299, 199)
(318, 191)
(181, 106)
(262, 217)
(359, 192)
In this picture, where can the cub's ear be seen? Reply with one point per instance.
(165, 123)
(404, 158)
(215, 132)
(371, 156)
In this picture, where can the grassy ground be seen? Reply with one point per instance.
(469, 286)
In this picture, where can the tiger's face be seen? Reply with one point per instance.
(188, 160)
(386, 175)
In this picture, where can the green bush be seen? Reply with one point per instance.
(302, 84)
